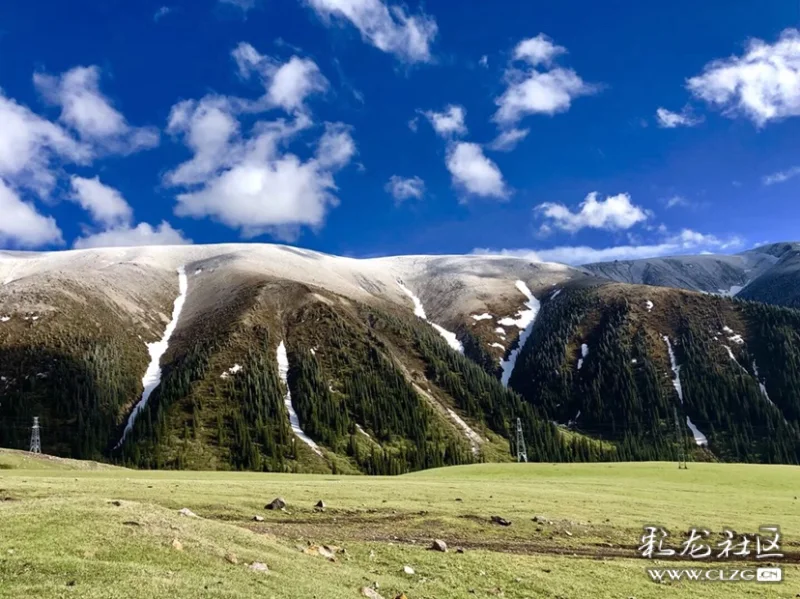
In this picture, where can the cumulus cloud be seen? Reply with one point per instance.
(537, 87)
(405, 188)
(508, 140)
(614, 213)
(484, 61)
(251, 183)
(86, 110)
(104, 203)
(126, 236)
(781, 176)
(669, 120)
(687, 241)
(474, 173)
(389, 29)
(449, 122)
(29, 145)
(22, 225)
(763, 84)
(287, 85)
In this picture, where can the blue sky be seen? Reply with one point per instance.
(560, 131)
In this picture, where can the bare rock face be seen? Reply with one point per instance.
(276, 504)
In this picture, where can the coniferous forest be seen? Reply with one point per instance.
(381, 392)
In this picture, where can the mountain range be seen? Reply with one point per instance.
(270, 357)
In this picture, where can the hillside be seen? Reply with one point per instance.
(769, 273)
(281, 359)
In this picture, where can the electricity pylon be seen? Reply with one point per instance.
(36, 442)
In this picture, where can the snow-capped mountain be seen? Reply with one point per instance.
(769, 273)
(273, 357)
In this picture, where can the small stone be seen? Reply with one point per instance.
(439, 545)
(370, 593)
(177, 545)
(320, 505)
(187, 512)
(258, 567)
(131, 523)
(231, 558)
(501, 521)
(326, 553)
(72, 583)
(258, 518)
(459, 550)
(408, 570)
(568, 533)
(10, 552)
(276, 504)
(459, 499)
(401, 596)
(116, 503)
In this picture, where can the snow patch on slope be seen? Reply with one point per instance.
(699, 437)
(474, 438)
(584, 353)
(484, 316)
(152, 376)
(5, 318)
(555, 294)
(232, 370)
(419, 311)
(761, 384)
(649, 305)
(294, 421)
(525, 321)
(732, 357)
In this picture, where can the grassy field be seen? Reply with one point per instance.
(74, 529)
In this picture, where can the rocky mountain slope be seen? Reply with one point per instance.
(276, 358)
(770, 273)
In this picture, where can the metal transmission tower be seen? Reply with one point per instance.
(522, 453)
(36, 442)
(682, 465)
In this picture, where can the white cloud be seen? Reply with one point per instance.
(404, 188)
(22, 225)
(508, 140)
(676, 201)
(251, 183)
(484, 61)
(473, 172)
(389, 29)
(104, 203)
(162, 12)
(448, 122)
(85, 109)
(534, 91)
(287, 85)
(687, 241)
(669, 120)
(614, 213)
(30, 144)
(763, 84)
(781, 176)
(126, 236)
(244, 5)
(539, 50)
(336, 147)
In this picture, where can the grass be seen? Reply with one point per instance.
(71, 530)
